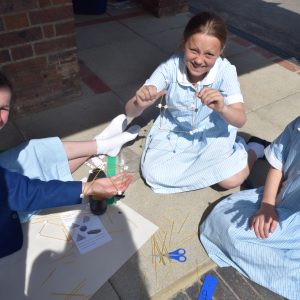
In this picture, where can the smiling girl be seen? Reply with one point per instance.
(193, 143)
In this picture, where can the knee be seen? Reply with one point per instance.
(234, 181)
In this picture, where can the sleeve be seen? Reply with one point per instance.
(161, 77)
(230, 86)
(19, 193)
(278, 151)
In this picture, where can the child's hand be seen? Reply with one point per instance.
(212, 98)
(264, 221)
(108, 187)
(147, 95)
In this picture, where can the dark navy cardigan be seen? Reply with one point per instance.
(19, 193)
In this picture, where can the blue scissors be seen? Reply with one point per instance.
(178, 255)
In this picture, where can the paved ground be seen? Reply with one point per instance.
(273, 24)
(231, 286)
(117, 52)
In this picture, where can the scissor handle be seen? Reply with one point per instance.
(178, 255)
(179, 251)
(180, 258)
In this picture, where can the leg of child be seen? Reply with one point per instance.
(115, 127)
(79, 152)
(256, 147)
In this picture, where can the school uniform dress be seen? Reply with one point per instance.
(43, 159)
(19, 193)
(189, 145)
(273, 262)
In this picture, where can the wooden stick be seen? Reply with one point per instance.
(171, 233)
(52, 237)
(159, 252)
(183, 223)
(67, 294)
(164, 248)
(48, 277)
(190, 236)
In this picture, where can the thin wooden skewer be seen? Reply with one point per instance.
(183, 223)
(48, 277)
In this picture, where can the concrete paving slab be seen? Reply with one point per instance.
(115, 8)
(74, 120)
(249, 61)
(148, 25)
(273, 22)
(282, 112)
(232, 49)
(167, 41)
(108, 61)
(177, 216)
(102, 34)
(267, 84)
(269, 121)
(106, 292)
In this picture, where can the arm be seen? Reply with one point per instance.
(265, 219)
(144, 97)
(154, 88)
(227, 99)
(19, 193)
(234, 114)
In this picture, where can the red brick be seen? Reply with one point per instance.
(1, 24)
(65, 28)
(51, 15)
(8, 6)
(55, 45)
(288, 65)
(171, 3)
(63, 57)
(30, 64)
(166, 7)
(48, 31)
(45, 3)
(20, 37)
(4, 56)
(28, 78)
(21, 52)
(16, 21)
(241, 41)
(61, 1)
(92, 80)
(263, 52)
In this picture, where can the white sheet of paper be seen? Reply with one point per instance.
(87, 231)
(50, 265)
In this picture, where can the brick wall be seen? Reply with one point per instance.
(165, 7)
(38, 52)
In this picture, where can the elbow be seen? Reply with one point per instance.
(242, 121)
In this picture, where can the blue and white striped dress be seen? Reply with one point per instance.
(273, 262)
(189, 145)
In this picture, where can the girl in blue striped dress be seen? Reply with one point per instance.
(193, 142)
(258, 231)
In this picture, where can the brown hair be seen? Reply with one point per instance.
(207, 23)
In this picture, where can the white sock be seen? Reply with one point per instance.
(257, 148)
(116, 126)
(112, 146)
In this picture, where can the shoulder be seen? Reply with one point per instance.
(294, 126)
(174, 61)
(225, 65)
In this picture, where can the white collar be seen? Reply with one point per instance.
(182, 77)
